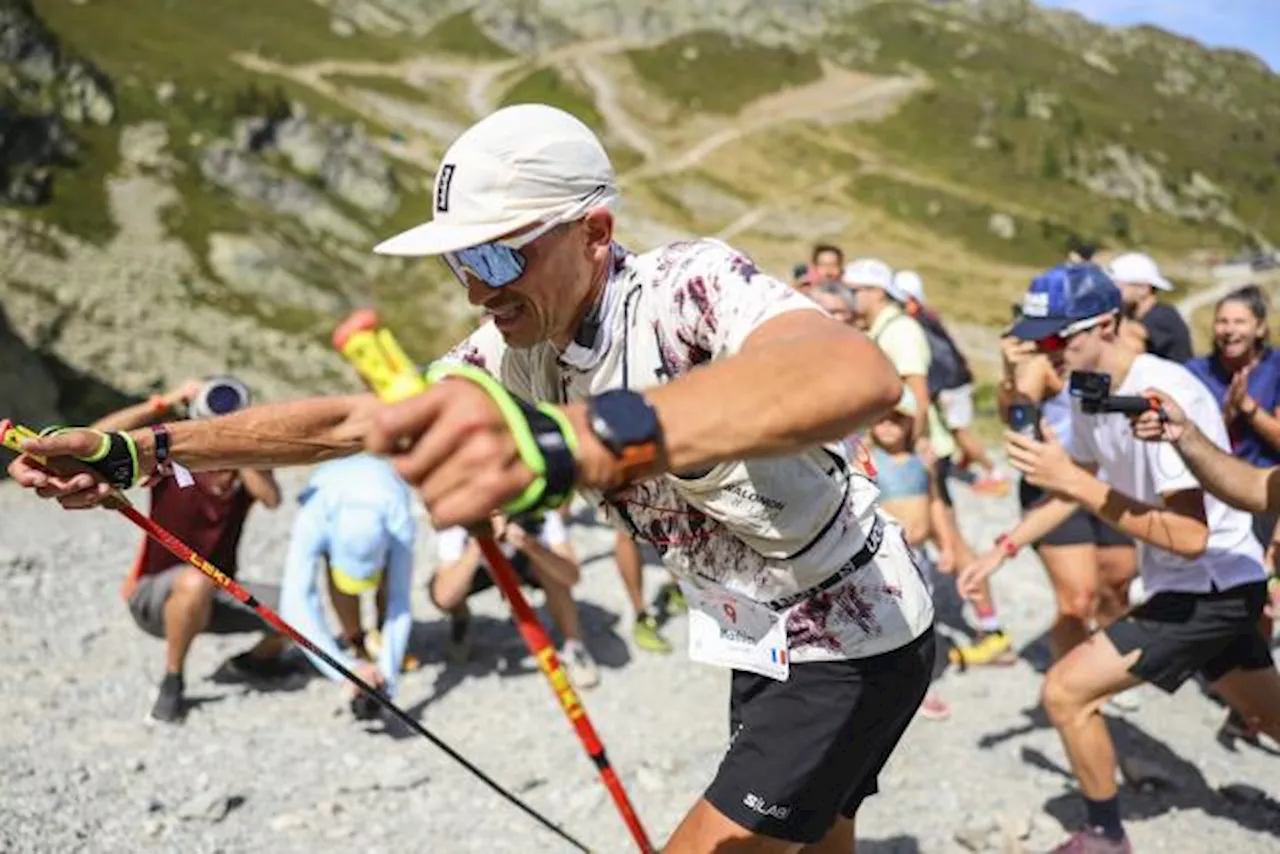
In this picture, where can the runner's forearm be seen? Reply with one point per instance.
(1231, 479)
(777, 396)
(299, 432)
(129, 418)
(1161, 527)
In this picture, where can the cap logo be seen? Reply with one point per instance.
(1035, 305)
(443, 183)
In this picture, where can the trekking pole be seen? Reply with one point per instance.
(12, 435)
(374, 352)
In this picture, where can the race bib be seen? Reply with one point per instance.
(729, 630)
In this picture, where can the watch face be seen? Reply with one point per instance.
(627, 419)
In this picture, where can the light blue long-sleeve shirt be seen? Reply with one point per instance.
(369, 482)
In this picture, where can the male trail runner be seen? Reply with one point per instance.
(1200, 562)
(701, 402)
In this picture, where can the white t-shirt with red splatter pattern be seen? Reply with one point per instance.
(766, 529)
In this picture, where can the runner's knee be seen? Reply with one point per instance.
(191, 584)
(1061, 703)
(1078, 602)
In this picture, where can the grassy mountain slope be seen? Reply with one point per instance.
(966, 139)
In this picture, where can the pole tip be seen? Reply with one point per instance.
(361, 320)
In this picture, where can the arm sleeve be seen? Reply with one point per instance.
(399, 618)
(715, 298)
(300, 594)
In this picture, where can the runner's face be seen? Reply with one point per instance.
(561, 265)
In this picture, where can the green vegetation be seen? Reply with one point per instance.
(383, 85)
(1040, 110)
(714, 73)
(548, 86)
(459, 34)
(186, 40)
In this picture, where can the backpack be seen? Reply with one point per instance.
(947, 366)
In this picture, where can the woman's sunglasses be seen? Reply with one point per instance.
(501, 262)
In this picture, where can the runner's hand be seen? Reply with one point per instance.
(969, 582)
(78, 491)
(1043, 463)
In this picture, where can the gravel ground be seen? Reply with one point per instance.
(285, 771)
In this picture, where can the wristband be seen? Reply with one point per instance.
(115, 460)
(1006, 544)
(544, 439)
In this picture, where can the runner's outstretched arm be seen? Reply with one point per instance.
(1238, 483)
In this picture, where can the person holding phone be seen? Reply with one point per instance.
(1090, 564)
(1200, 562)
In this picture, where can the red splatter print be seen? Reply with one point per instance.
(810, 624)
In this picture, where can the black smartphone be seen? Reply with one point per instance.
(1024, 418)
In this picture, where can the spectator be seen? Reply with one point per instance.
(539, 550)
(1153, 327)
(879, 309)
(827, 263)
(907, 490)
(357, 523)
(1243, 373)
(950, 384)
(176, 602)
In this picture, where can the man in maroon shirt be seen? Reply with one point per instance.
(176, 602)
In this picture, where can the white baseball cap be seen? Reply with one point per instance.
(523, 164)
(869, 273)
(1138, 268)
(909, 283)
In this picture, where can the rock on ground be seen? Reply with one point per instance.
(286, 771)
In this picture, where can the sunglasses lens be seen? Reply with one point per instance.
(1052, 344)
(495, 265)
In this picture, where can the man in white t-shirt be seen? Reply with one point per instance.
(540, 552)
(1200, 565)
(698, 400)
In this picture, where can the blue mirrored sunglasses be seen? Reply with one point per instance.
(501, 262)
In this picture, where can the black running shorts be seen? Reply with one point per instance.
(1080, 528)
(805, 751)
(229, 616)
(1181, 634)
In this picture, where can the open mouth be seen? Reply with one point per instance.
(505, 316)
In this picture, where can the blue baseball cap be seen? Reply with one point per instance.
(1062, 296)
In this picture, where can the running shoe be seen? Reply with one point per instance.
(993, 648)
(670, 601)
(1093, 842)
(645, 634)
(579, 664)
(170, 705)
(934, 708)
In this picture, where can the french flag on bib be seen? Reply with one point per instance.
(778, 656)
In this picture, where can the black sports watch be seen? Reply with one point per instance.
(627, 425)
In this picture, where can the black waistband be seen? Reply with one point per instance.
(868, 551)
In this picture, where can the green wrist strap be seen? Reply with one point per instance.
(544, 439)
(115, 459)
